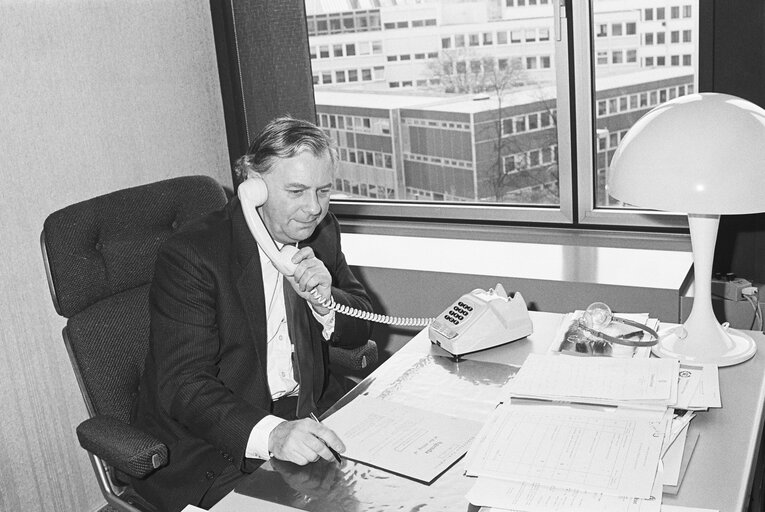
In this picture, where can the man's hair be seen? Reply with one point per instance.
(284, 137)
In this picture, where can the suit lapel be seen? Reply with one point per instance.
(249, 284)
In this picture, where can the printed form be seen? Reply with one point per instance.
(402, 439)
(608, 450)
(597, 379)
(518, 496)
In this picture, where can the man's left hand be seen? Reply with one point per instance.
(311, 274)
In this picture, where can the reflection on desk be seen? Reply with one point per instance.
(718, 477)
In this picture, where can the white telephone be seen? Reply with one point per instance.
(496, 318)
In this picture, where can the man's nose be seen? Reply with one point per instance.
(312, 204)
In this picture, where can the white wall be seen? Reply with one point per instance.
(94, 96)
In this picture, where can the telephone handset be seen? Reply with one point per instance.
(476, 321)
(253, 193)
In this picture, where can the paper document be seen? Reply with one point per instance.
(402, 439)
(664, 508)
(465, 389)
(597, 380)
(525, 497)
(608, 450)
(707, 391)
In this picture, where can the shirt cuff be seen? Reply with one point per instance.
(257, 444)
(327, 322)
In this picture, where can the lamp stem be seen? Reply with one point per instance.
(703, 339)
(703, 239)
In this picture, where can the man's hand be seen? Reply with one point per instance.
(303, 441)
(311, 274)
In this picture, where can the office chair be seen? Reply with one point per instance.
(99, 257)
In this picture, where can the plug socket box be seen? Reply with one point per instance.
(729, 288)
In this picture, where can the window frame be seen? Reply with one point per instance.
(585, 106)
(576, 166)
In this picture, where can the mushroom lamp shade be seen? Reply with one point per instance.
(703, 155)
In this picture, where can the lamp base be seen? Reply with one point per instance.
(730, 347)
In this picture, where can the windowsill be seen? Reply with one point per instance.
(641, 260)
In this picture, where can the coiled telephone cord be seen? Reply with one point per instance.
(367, 315)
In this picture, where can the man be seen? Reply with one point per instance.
(238, 353)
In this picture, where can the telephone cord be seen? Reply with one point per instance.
(367, 315)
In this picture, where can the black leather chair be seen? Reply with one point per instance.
(99, 257)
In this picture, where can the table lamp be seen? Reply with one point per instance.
(703, 155)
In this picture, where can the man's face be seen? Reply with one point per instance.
(298, 196)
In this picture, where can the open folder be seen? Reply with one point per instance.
(404, 440)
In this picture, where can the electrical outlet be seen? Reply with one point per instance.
(729, 288)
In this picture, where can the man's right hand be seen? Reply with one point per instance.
(303, 441)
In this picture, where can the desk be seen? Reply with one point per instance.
(719, 475)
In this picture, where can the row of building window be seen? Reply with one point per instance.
(528, 159)
(524, 3)
(477, 66)
(437, 160)
(528, 122)
(630, 56)
(378, 125)
(371, 158)
(365, 189)
(435, 123)
(422, 82)
(346, 22)
(410, 56)
(341, 76)
(419, 194)
(661, 37)
(529, 35)
(389, 25)
(674, 60)
(642, 100)
(617, 57)
(359, 48)
(660, 12)
(617, 29)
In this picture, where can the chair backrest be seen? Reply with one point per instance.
(100, 256)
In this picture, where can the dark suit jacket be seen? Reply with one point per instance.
(204, 385)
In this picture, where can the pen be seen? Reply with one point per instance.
(334, 453)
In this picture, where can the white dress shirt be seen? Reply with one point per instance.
(281, 378)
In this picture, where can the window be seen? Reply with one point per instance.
(460, 152)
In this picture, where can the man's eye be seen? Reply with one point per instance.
(324, 191)
(295, 192)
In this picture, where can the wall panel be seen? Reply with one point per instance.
(96, 95)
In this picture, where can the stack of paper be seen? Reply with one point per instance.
(555, 449)
(698, 387)
(598, 380)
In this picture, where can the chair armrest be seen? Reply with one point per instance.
(358, 358)
(121, 445)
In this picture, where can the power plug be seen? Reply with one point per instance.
(729, 287)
